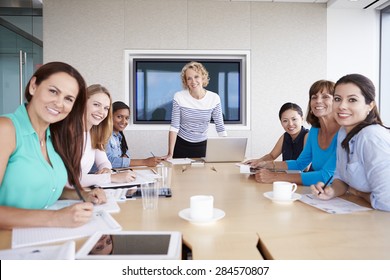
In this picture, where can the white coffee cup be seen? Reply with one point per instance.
(283, 190)
(201, 207)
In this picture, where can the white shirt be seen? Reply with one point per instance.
(91, 156)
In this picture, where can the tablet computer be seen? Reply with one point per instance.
(132, 245)
(136, 192)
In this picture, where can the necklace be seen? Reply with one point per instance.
(41, 142)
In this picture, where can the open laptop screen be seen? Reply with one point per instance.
(226, 149)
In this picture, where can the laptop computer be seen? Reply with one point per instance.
(225, 149)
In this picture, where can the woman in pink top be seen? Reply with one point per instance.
(98, 129)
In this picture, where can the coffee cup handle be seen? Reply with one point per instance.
(294, 188)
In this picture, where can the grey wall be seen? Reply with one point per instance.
(287, 42)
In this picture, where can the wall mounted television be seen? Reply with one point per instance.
(154, 77)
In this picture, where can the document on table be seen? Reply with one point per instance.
(333, 206)
(246, 168)
(177, 161)
(111, 206)
(140, 179)
(100, 221)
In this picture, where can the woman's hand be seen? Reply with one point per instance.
(260, 164)
(265, 176)
(104, 170)
(153, 161)
(252, 162)
(96, 196)
(123, 177)
(74, 216)
(324, 194)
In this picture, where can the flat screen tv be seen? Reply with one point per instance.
(155, 79)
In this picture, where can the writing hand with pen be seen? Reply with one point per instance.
(323, 190)
(124, 176)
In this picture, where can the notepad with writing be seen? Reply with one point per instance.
(111, 206)
(335, 205)
(100, 221)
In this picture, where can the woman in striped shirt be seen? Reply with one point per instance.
(192, 111)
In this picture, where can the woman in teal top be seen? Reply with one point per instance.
(320, 148)
(42, 151)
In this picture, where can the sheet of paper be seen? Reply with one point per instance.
(100, 221)
(111, 206)
(175, 161)
(245, 168)
(65, 251)
(138, 181)
(333, 206)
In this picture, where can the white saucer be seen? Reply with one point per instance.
(295, 196)
(217, 215)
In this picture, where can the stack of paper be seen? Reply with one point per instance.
(100, 221)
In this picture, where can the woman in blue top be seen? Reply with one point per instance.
(41, 149)
(363, 145)
(291, 143)
(116, 149)
(320, 148)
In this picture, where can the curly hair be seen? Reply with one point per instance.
(198, 68)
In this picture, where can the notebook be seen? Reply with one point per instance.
(100, 221)
(226, 149)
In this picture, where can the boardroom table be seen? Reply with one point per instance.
(254, 227)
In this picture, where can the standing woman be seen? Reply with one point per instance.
(98, 128)
(291, 143)
(320, 148)
(192, 111)
(41, 148)
(117, 150)
(363, 145)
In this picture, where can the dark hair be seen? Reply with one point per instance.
(290, 106)
(101, 133)
(319, 86)
(119, 105)
(367, 89)
(67, 135)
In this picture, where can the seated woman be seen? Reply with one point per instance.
(291, 143)
(320, 148)
(363, 145)
(98, 127)
(116, 149)
(41, 148)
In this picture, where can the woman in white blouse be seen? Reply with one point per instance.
(98, 129)
(363, 145)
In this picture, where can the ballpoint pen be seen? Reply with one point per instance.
(327, 182)
(79, 193)
(152, 154)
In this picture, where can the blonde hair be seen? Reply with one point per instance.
(198, 68)
(100, 134)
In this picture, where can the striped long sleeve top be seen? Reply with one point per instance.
(191, 117)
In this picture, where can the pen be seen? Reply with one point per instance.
(152, 154)
(79, 193)
(327, 182)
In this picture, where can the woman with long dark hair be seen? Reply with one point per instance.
(41, 149)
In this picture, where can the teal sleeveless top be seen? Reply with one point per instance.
(29, 181)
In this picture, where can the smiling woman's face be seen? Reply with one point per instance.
(98, 106)
(121, 119)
